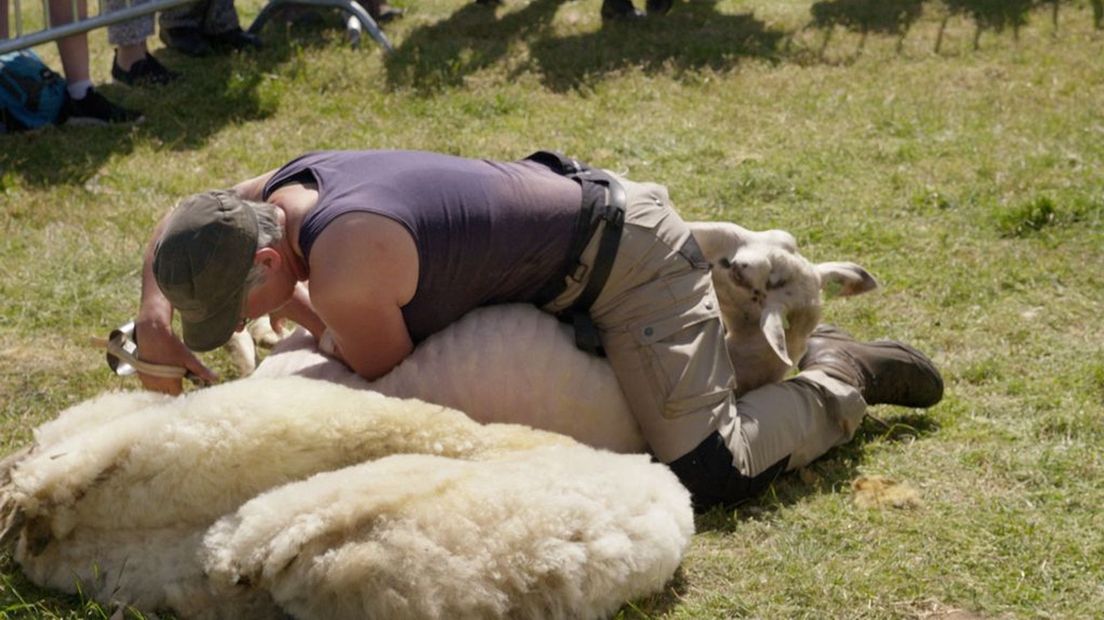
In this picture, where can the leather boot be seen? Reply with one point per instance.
(885, 371)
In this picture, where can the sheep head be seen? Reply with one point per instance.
(770, 295)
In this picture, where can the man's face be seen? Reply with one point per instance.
(268, 296)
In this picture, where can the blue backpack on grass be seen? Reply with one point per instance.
(31, 94)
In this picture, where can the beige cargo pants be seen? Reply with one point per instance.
(661, 328)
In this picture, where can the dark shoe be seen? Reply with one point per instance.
(95, 109)
(389, 14)
(142, 73)
(885, 371)
(236, 39)
(186, 40)
(659, 7)
(620, 10)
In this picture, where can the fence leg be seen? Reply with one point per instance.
(350, 7)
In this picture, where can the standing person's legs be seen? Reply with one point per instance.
(184, 16)
(133, 63)
(220, 16)
(129, 37)
(200, 28)
(72, 49)
(85, 105)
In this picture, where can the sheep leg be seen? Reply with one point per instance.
(243, 354)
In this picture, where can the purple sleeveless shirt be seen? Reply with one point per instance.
(486, 232)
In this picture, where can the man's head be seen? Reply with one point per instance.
(204, 259)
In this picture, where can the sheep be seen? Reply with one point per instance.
(515, 363)
(261, 497)
(242, 346)
(770, 296)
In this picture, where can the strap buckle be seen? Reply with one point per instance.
(121, 346)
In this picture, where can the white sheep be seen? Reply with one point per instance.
(770, 296)
(242, 346)
(413, 510)
(516, 364)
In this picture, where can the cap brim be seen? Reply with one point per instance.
(213, 331)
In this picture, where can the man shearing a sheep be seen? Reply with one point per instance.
(373, 251)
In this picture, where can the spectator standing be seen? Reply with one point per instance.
(205, 27)
(133, 65)
(85, 105)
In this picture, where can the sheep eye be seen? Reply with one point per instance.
(725, 263)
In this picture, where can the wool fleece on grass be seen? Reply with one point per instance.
(270, 496)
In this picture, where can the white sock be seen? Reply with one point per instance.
(78, 89)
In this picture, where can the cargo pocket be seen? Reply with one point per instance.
(686, 358)
(649, 207)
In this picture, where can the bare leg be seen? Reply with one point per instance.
(127, 55)
(74, 49)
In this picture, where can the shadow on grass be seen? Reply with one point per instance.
(832, 473)
(693, 36)
(659, 603)
(210, 94)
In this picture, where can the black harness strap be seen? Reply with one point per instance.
(603, 201)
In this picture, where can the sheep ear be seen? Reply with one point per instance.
(844, 279)
(718, 240)
(773, 324)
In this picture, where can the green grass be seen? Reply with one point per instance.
(969, 182)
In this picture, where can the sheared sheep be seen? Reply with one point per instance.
(514, 363)
(242, 346)
(415, 511)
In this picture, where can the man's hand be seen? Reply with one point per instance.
(157, 344)
(299, 310)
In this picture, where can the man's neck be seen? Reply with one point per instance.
(294, 201)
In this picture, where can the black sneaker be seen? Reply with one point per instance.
(145, 72)
(389, 13)
(95, 109)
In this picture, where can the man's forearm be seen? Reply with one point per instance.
(153, 307)
(300, 310)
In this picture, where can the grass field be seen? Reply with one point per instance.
(969, 181)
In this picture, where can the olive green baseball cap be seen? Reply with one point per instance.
(201, 261)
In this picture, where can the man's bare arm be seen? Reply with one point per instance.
(153, 328)
(253, 189)
(300, 310)
(364, 268)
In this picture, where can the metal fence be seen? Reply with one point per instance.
(358, 18)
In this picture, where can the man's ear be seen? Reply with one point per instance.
(269, 257)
